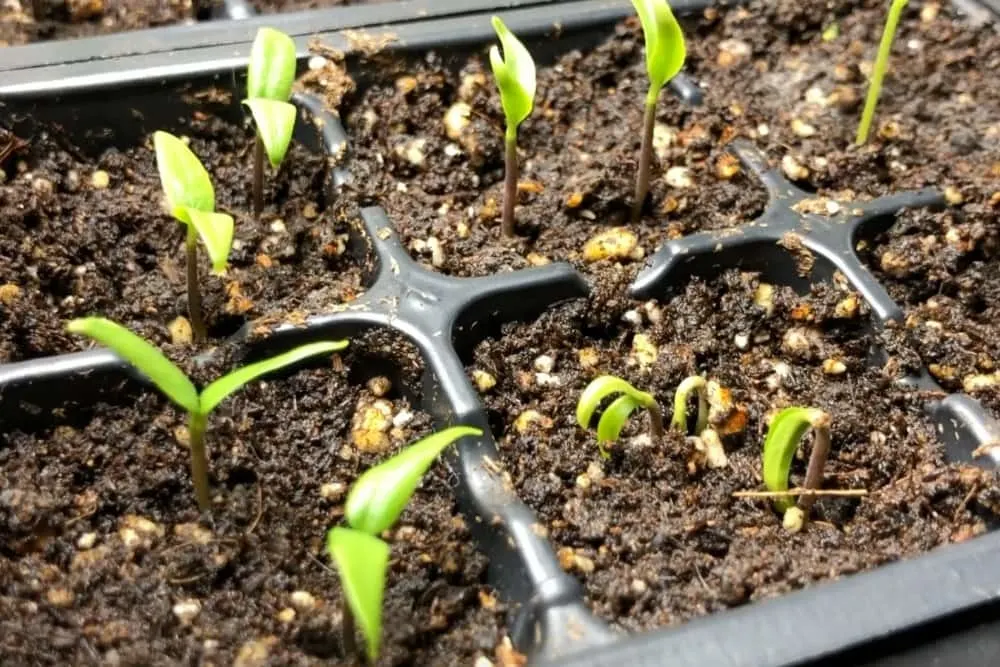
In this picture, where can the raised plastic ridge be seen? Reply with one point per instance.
(845, 622)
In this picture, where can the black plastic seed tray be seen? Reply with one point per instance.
(943, 605)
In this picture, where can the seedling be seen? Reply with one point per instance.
(176, 386)
(783, 439)
(270, 76)
(665, 53)
(679, 421)
(515, 75)
(878, 73)
(613, 419)
(374, 504)
(191, 199)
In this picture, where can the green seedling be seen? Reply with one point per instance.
(515, 75)
(782, 441)
(878, 73)
(176, 386)
(665, 54)
(270, 76)
(613, 419)
(679, 421)
(373, 505)
(191, 199)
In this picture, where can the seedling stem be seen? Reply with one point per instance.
(646, 153)
(510, 181)
(258, 175)
(679, 421)
(878, 73)
(198, 330)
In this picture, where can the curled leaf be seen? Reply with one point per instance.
(783, 438)
(271, 71)
(215, 231)
(275, 123)
(379, 495)
(185, 180)
(362, 561)
(679, 420)
(665, 49)
(515, 75)
(602, 387)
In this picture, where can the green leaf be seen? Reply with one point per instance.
(515, 75)
(613, 419)
(679, 420)
(271, 71)
(783, 438)
(362, 561)
(216, 232)
(275, 123)
(184, 179)
(144, 357)
(216, 392)
(379, 496)
(665, 50)
(602, 387)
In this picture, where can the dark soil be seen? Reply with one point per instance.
(68, 19)
(71, 249)
(269, 6)
(103, 552)
(656, 537)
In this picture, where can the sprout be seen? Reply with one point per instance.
(665, 53)
(191, 199)
(679, 421)
(515, 75)
(878, 74)
(176, 386)
(374, 504)
(270, 75)
(783, 438)
(613, 419)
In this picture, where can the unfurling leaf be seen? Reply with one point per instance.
(665, 49)
(271, 71)
(362, 561)
(275, 123)
(515, 75)
(379, 495)
(185, 180)
(783, 438)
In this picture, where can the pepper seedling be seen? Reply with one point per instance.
(613, 419)
(374, 504)
(878, 73)
(783, 438)
(191, 198)
(270, 75)
(665, 54)
(679, 421)
(176, 386)
(515, 75)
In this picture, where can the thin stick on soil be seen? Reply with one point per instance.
(349, 630)
(510, 182)
(258, 176)
(645, 156)
(193, 289)
(847, 493)
(199, 464)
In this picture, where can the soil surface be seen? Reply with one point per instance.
(89, 236)
(104, 559)
(68, 19)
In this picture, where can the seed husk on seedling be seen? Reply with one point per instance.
(878, 72)
(270, 75)
(679, 421)
(783, 438)
(612, 421)
(374, 504)
(665, 54)
(191, 199)
(515, 75)
(176, 386)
